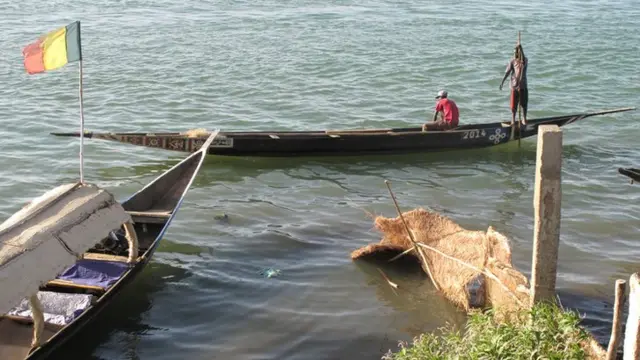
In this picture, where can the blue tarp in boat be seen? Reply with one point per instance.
(95, 272)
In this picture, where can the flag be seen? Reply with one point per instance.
(53, 50)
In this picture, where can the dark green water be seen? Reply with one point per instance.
(236, 65)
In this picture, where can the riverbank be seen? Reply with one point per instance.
(543, 332)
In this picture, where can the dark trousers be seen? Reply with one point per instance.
(437, 125)
(519, 97)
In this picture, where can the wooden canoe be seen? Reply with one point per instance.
(631, 173)
(151, 210)
(343, 142)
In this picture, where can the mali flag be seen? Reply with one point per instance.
(53, 50)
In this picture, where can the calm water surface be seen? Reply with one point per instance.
(167, 65)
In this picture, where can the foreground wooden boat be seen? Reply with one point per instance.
(343, 142)
(75, 296)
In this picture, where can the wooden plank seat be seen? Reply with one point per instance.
(71, 284)
(152, 216)
(106, 257)
(96, 275)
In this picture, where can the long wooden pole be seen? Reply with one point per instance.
(81, 129)
(519, 103)
(413, 240)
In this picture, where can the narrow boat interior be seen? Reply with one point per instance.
(80, 286)
(86, 286)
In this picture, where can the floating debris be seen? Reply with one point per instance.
(268, 273)
(222, 217)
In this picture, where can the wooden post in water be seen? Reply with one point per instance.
(547, 203)
(616, 329)
(632, 330)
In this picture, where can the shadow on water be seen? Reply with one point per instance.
(417, 296)
(123, 316)
(235, 168)
(509, 157)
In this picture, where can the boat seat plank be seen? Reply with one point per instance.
(72, 285)
(151, 216)
(105, 257)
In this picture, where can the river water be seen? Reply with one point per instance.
(236, 65)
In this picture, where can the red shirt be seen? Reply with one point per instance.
(450, 110)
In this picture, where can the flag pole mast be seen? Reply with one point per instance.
(81, 129)
(81, 117)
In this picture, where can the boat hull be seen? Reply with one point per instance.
(344, 142)
(166, 192)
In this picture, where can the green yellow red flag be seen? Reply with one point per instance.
(53, 50)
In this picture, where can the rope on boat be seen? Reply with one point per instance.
(132, 239)
(38, 320)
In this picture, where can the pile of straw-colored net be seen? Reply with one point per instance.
(194, 133)
(470, 268)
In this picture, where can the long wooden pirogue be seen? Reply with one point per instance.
(631, 173)
(77, 294)
(343, 142)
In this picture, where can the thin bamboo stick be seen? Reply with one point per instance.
(415, 246)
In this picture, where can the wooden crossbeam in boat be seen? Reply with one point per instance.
(71, 284)
(106, 257)
(159, 217)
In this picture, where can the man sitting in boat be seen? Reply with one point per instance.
(517, 68)
(449, 111)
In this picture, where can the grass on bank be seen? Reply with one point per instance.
(543, 332)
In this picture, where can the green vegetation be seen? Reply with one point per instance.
(544, 332)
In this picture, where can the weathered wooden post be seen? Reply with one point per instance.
(632, 330)
(616, 329)
(547, 202)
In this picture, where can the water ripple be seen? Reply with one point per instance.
(304, 64)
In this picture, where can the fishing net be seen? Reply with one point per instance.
(194, 133)
(475, 270)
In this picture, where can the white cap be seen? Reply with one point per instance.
(441, 94)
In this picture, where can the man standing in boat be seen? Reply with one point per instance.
(517, 68)
(450, 114)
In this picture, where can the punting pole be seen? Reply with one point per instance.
(519, 104)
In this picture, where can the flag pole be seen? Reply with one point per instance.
(81, 123)
(81, 129)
